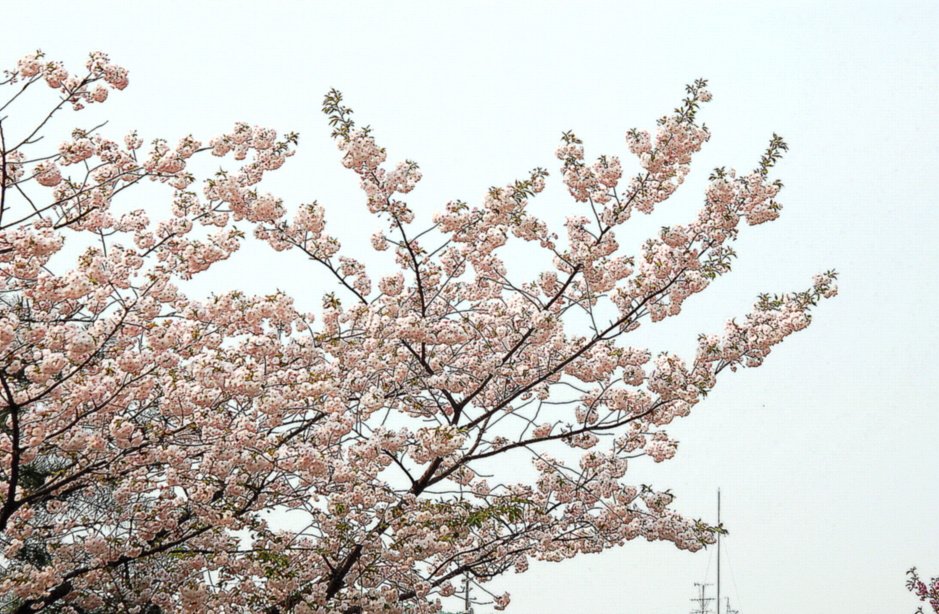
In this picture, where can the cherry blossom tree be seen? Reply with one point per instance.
(160, 453)
(928, 592)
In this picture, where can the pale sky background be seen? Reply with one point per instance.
(828, 455)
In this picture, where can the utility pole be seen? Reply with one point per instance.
(702, 601)
(466, 595)
(718, 552)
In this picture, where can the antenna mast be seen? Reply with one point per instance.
(703, 602)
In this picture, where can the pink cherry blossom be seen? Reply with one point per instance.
(926, 591)
(233, 454)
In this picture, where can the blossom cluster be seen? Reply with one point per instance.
(76, 89)
(926, 591)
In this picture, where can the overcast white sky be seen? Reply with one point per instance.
(827, 456)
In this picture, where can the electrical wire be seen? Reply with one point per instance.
(732, 577)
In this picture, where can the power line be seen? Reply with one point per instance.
(734, 578)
